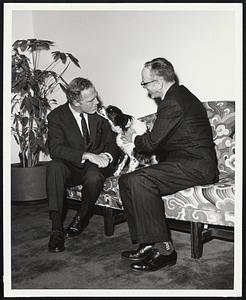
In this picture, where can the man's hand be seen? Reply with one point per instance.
(105, 156)
(127, 136)
(101, 160)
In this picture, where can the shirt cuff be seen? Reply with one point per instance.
(109, 156)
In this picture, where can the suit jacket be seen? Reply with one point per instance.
(182, 133)
(66, 142)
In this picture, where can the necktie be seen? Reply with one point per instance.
(85, 129)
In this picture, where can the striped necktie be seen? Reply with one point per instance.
(85, 129)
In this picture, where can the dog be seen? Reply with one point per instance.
(120, 123)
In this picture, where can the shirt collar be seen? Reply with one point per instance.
(170, 88)
(75, 113)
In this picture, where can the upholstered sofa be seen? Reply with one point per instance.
(204, 211)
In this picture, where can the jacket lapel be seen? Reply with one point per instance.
(92, 120)
(72, 123)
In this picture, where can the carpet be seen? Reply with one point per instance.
(92, 260)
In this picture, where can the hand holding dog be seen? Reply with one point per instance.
(127, 136)
(101, 160)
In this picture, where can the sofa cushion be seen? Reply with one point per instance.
(109, 196)
(212, 204)
(209, 204)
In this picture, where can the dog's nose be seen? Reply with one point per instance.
(99, 105)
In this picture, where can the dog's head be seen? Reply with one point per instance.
(118, 121)
(118, 118)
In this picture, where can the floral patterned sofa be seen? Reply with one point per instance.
(209, 209)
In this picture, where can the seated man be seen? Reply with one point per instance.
(182, 137)
(83, 151)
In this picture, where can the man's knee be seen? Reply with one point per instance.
(55, 167)
(94, 179)
(130, 179)
(123, 180)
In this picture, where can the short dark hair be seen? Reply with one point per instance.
(75, 87)
(162, 67)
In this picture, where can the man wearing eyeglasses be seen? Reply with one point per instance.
(182, 137)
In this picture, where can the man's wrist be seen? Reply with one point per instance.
(84, 157)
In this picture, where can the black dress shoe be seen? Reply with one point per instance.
(155, 262)
(56, 242)
(138, 255)
(76, 226)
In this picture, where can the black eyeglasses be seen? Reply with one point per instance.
(145, 83)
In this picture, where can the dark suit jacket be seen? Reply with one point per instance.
(182, 133)
(68, 144)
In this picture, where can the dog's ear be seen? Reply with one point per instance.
(128, 117)
(125, 121)
(118, 120)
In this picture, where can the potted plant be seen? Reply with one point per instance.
(32, 88)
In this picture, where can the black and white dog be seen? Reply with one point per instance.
(120, 123)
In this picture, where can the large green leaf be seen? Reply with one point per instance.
(56, 55)
(73, 59)
(59, 55)
(36, 111)
(24, 121)
(20, 83)
(15, 45)
(33, 145)
(35, 101)
(31, 135)
(26, 104)
(15, 118)
(53, 74)
(63, 57)
(23, 103)
(16, 139)
(40, 143)
(23, 45)
(34, 44)
(18, 43)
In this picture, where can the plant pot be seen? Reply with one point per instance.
(28, 184)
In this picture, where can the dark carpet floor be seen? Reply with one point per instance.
(92, 260)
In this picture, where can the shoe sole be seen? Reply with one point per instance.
(135, 259)
(71, 236)
(171, 263)
(56, 250)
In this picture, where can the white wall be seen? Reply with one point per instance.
(112, 47)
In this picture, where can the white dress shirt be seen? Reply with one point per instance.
(78, 120)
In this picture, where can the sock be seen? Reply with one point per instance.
(146, 244)
(56, 220)
(165, 248)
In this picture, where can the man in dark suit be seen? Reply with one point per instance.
(83, 151)
(182, 138)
